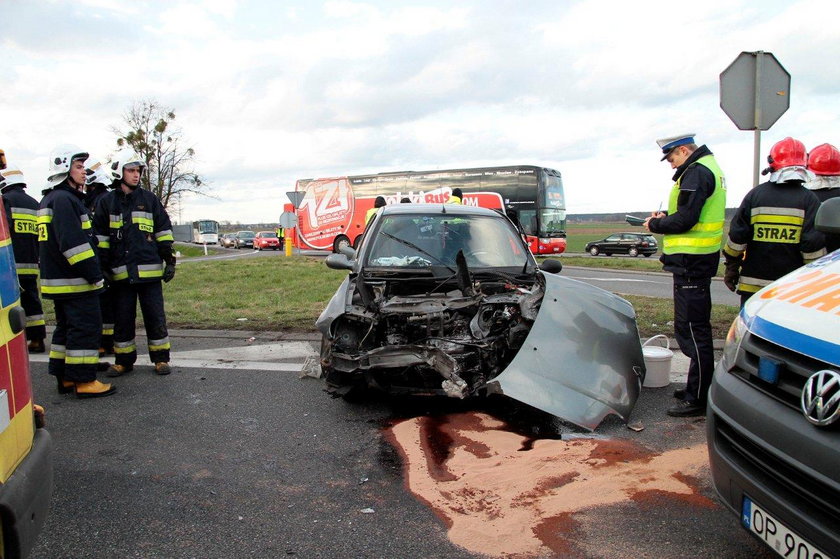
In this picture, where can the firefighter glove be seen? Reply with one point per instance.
(731, 274)
(168, 272)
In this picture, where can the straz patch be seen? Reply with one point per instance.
(26, 227)
(145, 228)
(777, 233)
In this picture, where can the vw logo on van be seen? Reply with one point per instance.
(821, 398)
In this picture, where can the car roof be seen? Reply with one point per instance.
(437, 209)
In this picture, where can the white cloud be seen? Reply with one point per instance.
(269, 93)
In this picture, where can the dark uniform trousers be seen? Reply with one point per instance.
(74, 352)
(31, 303)
(693, 331)
(150, 295)
(106, 304)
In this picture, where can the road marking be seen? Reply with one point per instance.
(628, 280)
(281, 357)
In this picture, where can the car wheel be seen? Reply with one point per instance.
(340, 242)
(633, 251)
(594, 251)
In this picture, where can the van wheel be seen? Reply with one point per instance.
(341, 241)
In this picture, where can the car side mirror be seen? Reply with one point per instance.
(348, 251)
(338, 261)
(828, 216)
(551, 265)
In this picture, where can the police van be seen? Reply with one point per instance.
(773, 420)
(26, 476)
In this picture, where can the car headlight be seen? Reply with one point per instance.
(733, 342)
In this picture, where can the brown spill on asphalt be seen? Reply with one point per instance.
(503, 494)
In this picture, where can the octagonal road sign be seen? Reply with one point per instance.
(755, 90)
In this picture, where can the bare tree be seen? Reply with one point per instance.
(169, 164)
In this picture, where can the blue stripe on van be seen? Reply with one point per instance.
(795, 341)
(8, 279)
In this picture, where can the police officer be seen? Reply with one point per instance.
(824, 163)
(70, 276)
(693, 232)
(135, 242)
(773, 233)
(96, 186)
(22, 217)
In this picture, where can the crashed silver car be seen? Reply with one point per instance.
(448, 300)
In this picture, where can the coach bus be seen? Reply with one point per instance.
(331, 213)
(205, 232)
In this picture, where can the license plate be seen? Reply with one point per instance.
(779, 537)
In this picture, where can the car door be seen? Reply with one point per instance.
(612, 244)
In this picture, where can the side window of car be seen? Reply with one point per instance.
(613, 238)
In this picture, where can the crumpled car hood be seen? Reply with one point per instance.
(582, 359)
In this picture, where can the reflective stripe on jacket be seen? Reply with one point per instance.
(773, 232)
(68, 262)
(706, 235)
(135, 235)
(22, 217)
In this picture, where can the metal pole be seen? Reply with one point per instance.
(759, 57)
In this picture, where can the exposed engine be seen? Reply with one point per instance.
(407, 338)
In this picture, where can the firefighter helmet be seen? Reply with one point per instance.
(824, 160)
(61, 158)
(125, 158)
(11, 175)
(787, 153)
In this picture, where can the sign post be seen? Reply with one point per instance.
(288, 221)
(754, 93)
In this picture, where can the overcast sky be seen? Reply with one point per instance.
(268, 92)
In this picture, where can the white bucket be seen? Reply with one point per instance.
(657, 363)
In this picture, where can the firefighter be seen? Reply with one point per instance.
(96, 185)
(135, 241)
(772, 232)
(824, 163)
(693, 231)
(22, 217)
(71, 276)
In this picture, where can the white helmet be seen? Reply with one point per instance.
(97, 173)
(11, 175)
(124, 158)
(60, 160)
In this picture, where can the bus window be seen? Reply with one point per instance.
(528, 220)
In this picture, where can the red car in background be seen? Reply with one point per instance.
(266, 239)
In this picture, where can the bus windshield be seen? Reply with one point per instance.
(552, 215)
(207, 226)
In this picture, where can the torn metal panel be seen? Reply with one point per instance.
(582, 359)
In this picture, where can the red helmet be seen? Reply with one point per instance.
(787, 153)
(824, 160)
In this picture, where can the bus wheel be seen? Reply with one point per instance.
(357, 241)
(341, 241)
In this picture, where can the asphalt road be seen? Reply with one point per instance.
(235, 455)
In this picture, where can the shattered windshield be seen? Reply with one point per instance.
(412, 240)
